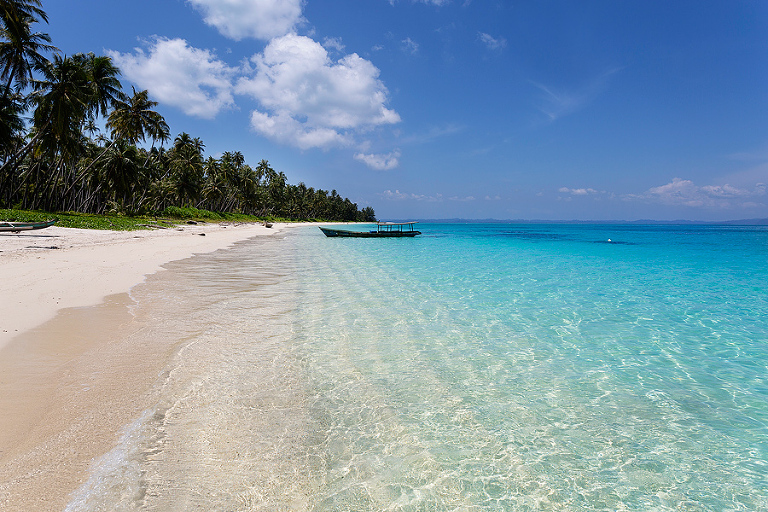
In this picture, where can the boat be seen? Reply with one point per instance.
(383, 230)
(15, 227)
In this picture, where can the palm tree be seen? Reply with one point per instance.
(249, 186)
(120, 171)
(63, 98)
(11, 123)
(187, 168)
(367, 214)
(62, 104)
(216, 186)
(277, 192)
(106, 88)
(11, 134)
(21, 49)
(32, 8)
(134, 119)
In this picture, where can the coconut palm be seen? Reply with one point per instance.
(216, 186)
(62, 100)
(21, 49)
(134, 119)
(186, 162)
(131, 118)
(120, 171)
(106, 89)
(11, 122)
(11, 134)
(31, 8)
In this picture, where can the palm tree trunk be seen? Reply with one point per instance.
(48, 193)
(83, 173)
(23, 151)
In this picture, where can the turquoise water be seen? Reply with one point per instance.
(477, 367)
(540, 367)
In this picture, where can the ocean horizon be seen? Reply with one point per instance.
(479, 366)
(759, 221)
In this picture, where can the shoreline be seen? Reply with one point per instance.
(76, 366)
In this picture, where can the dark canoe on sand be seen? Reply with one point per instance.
(383, 230)
(15, 227)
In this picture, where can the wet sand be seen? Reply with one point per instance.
(73, 371)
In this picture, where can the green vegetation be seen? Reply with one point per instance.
(61, 163)
(170, 217)
(82, 220)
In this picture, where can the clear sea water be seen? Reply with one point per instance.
(479, 367)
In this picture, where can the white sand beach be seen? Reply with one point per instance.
(44, 271)
(68, 382)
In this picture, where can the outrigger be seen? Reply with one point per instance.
(383, 230)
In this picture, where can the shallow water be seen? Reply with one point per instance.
(477, 367)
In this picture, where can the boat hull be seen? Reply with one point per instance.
(365, 234)
(15, 227)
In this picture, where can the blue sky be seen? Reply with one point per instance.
(593, 110)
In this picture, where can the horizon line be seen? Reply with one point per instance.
(737, 222)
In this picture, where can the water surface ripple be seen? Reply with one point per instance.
(477, 367)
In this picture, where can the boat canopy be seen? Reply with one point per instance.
(395, 226)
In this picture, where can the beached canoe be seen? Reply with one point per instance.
(15, 227)
(383, 230)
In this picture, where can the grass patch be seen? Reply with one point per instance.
(169, 217)
(77, 220)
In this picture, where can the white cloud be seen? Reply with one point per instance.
(438, 3)
(410, 46)
(404, 196)
(433, 133)
(284, 128)
(680, 192)
(578, 191)
(380, 162)
(491, 42)
(333, 43)
(177, 74)
(560, 102)
(308, 100)
(437, 198)
(260, 19)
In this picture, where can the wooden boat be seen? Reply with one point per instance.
(15, 227)
(383, 230)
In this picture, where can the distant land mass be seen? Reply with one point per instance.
(741, 222)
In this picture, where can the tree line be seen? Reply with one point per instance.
(54, 158)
